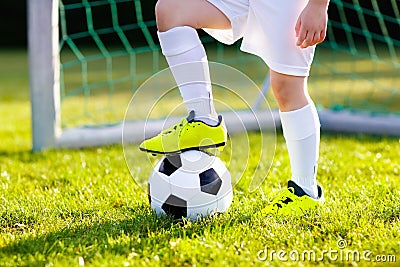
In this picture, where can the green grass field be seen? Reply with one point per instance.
(83, 208)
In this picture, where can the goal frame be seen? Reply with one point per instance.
(44, 71)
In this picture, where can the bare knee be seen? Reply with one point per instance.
(165, 11)
(193, 13)
(289, 91)
(282, 93)
(174, 13)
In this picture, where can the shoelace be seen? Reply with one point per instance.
(283, 198)
(174, 128)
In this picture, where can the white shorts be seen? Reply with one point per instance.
(268, 31)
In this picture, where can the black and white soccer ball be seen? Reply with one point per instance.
(190, 185)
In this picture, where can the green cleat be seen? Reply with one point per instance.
(186, 135)
(293, 201)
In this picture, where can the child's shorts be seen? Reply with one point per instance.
(268, 31)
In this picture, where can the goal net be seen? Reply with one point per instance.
(88, 57)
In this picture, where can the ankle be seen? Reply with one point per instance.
(203, 110)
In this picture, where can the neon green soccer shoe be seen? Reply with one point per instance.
(186, 135)
(293, 201)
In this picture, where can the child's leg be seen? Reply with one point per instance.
(177, 22)
(193, 13)
(300, 124)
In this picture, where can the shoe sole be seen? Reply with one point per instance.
(219, 145)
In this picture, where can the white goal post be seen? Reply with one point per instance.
(44, 70)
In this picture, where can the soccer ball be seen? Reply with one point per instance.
(190, 185)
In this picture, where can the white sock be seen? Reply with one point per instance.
(301, 129)
(187, 59)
